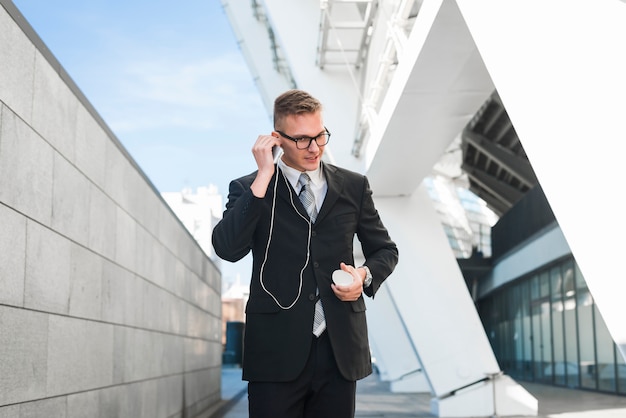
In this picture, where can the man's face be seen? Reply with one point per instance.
(297, 126)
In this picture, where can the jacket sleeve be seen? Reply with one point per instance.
(381, 253)
(232, 236)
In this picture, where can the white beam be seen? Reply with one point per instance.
(559, 69)
(439, 84)
(434, 303)
(396, 356)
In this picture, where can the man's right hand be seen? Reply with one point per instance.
(262, 151)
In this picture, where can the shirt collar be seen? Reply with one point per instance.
(293, 175)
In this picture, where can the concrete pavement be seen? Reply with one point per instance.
(374, 400)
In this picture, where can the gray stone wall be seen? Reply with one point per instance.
(108, 307)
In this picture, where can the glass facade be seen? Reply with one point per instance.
(465, 218)
(545, 327)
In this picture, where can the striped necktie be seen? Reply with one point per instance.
(306, 196)
(308, 200)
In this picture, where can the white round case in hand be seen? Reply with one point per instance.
(342, 278)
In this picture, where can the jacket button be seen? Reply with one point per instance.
(311, 297)
(316, 264)
(313, 233)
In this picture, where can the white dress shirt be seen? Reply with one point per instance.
(319, 187)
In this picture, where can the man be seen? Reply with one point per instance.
(305, 342)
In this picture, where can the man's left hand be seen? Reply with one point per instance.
(352, 291)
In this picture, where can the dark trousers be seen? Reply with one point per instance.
(319, 392)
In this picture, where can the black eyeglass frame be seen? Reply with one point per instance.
(305, 138)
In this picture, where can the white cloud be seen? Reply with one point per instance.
(169, 81)
(201, 94)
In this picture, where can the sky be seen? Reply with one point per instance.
(167, 77)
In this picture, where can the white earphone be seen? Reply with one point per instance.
(269, 240)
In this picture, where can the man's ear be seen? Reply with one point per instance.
(279, 137)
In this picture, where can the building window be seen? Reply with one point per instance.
(546, 328)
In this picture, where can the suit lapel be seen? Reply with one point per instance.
(334, 181)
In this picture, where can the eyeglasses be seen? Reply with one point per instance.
(305, 141)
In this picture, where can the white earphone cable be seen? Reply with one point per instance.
(269, 240)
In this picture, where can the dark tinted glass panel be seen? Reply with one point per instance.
(586, 334)
(570, 325)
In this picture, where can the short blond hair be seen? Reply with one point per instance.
(294, 102)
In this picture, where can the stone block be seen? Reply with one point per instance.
(196, 354)
(185, 253)
(113, 402)
(164, 302)
(194, 323)
(175, 315)
(215, 304)
(150, 219)
(16, 67)
(183, 318)
(170, 231)
(132, 354)
(215, 354)
(150, 306)
(11, 411)
(147, 396)
(197, 258)
(47, 284)
(168, 269)
(119, 354)
(23, 355)
(80, 355)
(125, 240)
(117, 170)
(140, 355)
(145, 263)
(215, 327)
(25, 169)
(70, 201)
(54, 108)
(49, 408)
(214, 277)
(170, 395)
(83, 405)
(202, 385)
(122, 296)
(114, 292)
(200, 292)
(102, 223)
(181, 281)
(172, 359)
(135, 188)
(134, 301)
(160, 256)
(12, 256)
(90, 146)
(85, 283)
(155, 349)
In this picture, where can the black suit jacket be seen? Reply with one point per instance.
(291, 259)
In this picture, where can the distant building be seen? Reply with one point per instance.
(199, 212)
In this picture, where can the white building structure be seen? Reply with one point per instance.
(399, 80)
(199, 212)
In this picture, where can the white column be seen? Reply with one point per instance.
(392, 348)
(440, 318)
(559, 68)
